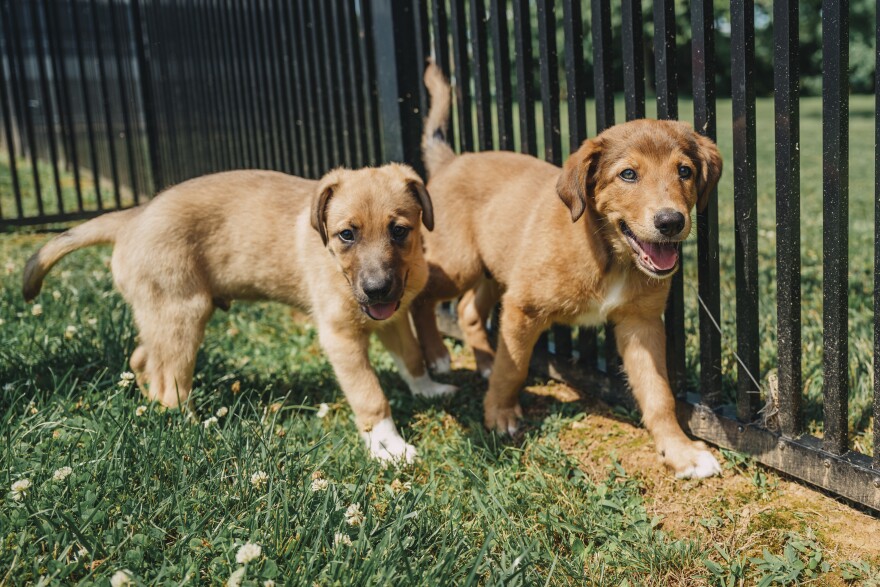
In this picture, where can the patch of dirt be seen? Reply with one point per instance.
(746, 509)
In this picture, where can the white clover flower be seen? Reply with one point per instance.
(20, 489)
(340, 538)
(323, 410)
(210, 422)
(248, 552)
(83, 552)
(399, 487)
(61, 474)
(235, 578)
(70, 331)
(92, 321)
(259, 479)
(56, 295)
(32, 407)
(121, 578)
(8, 387)
(2, 321)
(125, 379)
(268, 583)
(37, 309)
(221, 411)
(320, 484)
(354, 516)
(66, 274)
(140, 411)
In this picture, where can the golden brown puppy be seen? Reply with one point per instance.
(594, 241)
(346, 249)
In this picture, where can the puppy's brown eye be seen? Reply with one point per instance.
(684, 172)
(346, 236)
(628, 175)
(399, 233)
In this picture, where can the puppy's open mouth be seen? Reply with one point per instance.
(382, 311)
(659, 259)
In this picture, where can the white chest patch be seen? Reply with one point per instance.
(597, 312)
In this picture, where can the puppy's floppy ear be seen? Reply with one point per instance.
(709, 165)
(420, 193)
(328, 184)
(576, 181)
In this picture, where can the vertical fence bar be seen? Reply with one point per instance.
(46, 103)
(53, 39)
(358, 123)
(439, 24)
(14, 23)
(144, 65)
(325, 124)
(220, 72)
(423, 47)
(105, 103)
(602, 61)
(173, 159)
(552, 127)
(703, 59)
(331, 101)
(835, 194)
(205, 93)
(667, 108)
(876, 446)
(501, 61)
(10, 140)
(123, 99)
(633, 59)
(522, 26)
(480, 48)
(742, 41)
(370, 87)
(271, 55)
(788, 214)
(346, 119)
(458, 27)
(573, 28)
(285, 67)
(240, 100)
(398, 82)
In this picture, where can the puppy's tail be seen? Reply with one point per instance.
(99, 231)
(436, 152)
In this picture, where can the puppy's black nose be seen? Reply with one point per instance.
(669, 222)
(377, 288)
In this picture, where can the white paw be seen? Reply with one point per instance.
(424, 386)
(387, 445)
(442, 365)
(705, 466)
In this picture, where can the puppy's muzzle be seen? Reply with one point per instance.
(380, 295)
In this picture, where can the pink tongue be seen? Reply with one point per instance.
(382, 311)
(663, 256)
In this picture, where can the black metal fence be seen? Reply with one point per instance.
(128, 96)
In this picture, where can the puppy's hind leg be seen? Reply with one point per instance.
(401, 343)
(424, 317)
(171, 337)
(474, 309)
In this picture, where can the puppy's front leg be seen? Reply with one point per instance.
(401, 343)
(518, 334)
(347, 351)
(642, 345)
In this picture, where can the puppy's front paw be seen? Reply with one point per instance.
(387, 445)
(692, 461)
(427, 387)
(504, 420)
(441, 364)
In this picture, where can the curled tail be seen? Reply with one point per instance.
(436, 152)
(101, 230)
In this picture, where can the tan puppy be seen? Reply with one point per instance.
(594, 241)
(346, 249)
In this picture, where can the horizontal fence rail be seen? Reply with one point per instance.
(103, 103)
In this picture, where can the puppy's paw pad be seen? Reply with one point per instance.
(441, 365)
(435, 389)
(703, 465)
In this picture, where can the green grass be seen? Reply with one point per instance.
(172, 501)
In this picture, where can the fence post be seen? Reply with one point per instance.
(146, 86)
(398, 81)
